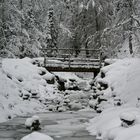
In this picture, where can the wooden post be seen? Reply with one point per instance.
(100, 57)
(45, 61)
(69, 59)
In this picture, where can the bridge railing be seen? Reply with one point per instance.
(70, 55)
(65, 52)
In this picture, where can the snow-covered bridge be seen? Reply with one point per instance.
(73, 60)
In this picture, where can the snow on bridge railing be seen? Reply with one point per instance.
(64, 52)
(85, 56)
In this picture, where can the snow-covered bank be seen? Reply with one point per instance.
(123, 78)
(107, 125)
(22, 88)
(121, 83)
(26, 88)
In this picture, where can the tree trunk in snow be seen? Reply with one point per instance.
(3, 16)
(98, 41)
(21, 27)
(86, 47)
(130, 27)
(21, 4)
(21, 8)
(130, 43)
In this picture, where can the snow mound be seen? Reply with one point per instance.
(109, 119)
(37, 136)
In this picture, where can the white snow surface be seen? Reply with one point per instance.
(123, 79)
(20, 79)
(109, 120)
(37, 136)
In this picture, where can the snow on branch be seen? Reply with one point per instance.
(65, 30)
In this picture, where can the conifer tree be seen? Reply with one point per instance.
(52, 33)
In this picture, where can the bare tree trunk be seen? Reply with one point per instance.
(130, 27)
(21, 27)
(21, 9)
(98, 41)
(3, 11)
(130, 42)
(21, 4)
(4, 41)
(86, 46)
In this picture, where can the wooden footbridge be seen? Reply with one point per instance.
(72, 60)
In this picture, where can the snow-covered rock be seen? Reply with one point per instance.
(37, 136)
(50, 78)
(127, 119)
(61, 109)
(127, 116)
(92, 103)
(51, 107)
(75, 106)
(33, 123)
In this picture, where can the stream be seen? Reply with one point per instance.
(60, 126)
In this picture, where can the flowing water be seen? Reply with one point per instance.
(60, 126)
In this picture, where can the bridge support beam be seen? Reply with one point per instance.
(70, 69)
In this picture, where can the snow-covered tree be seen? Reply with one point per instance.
(51, 32)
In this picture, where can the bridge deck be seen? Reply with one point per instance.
(65, 61)
(72, 69)
(67, 66)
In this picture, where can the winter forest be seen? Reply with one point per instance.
(29, 26)
(69, 69)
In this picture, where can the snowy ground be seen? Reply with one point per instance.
(119, 85)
